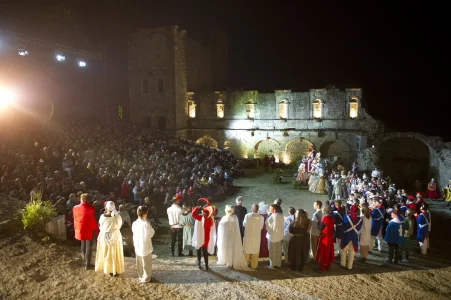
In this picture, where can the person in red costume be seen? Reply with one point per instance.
(85, 227)
(432, 192)
(204, 237)
(325, 252)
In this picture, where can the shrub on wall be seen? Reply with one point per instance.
(37, 213)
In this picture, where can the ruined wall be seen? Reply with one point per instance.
(198, 66)
(180, 80)
(151, 58)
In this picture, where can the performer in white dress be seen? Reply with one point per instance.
(110, 252)
(230, 248)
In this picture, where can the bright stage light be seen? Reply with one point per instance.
(60, 57)
(81, 63)
(22, 52)
(6, 97)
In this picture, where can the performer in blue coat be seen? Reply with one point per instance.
(377, 215)
(394, 236)
(350, 240)
(339, 216)
(424, 227)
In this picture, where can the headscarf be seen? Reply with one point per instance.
(109, 205)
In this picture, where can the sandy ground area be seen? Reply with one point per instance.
(32, 268)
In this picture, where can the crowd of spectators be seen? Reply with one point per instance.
(117, 162)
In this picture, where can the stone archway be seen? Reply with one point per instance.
(267, 147)
(207, 141)
(238, 147)
(295, 149)
(404, 159)
(336, 148)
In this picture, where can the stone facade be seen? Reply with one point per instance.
(283, 123)
(174, 83)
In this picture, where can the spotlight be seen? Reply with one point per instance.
(60, 57)
(81, 63)
(22, 52)
(6, 97)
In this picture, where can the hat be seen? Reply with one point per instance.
(410, 197)
(176, 197)
(262, 208)
(239, 199)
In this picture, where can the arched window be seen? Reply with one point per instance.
(283, 109)
(250, 110)
(353, 108)
(317, 109)
(191, 105)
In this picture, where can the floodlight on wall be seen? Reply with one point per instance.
(22, 52)
(60, 57)
(82, 63)
(220, 110)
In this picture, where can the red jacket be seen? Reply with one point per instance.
(84, 221)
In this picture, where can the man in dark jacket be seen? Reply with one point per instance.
(85, 226)
(240, 211)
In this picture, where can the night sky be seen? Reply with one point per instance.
(398, 53)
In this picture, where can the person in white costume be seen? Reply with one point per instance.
(253, 225)
(110, 252)
(230, 248)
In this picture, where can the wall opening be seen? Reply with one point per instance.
(336, 150)
(405, 160)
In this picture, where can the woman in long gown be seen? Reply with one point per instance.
(325, 254)
(230, 247)
(299, 245)
(110, 252)
(264, 249)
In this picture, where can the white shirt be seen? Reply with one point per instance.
(142, 237)
(253, 225)
(174, 213)
(275, 228)
(286, 230)
(316, 218)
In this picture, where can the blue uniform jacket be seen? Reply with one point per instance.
(350, 232)
(394, 233)
(339, 216)
(377, 216)
(424, 225)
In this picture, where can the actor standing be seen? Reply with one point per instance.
(274, 226)
(174, 213)
(253, 225)
(240, 211)
(85, 227)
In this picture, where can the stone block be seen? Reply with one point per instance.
(56, 228)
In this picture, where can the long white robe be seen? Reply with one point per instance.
(253, 224)
(110, 252)
(365, 231)
(230, 249)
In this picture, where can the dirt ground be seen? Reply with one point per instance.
(32, 268)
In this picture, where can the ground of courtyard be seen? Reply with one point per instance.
(33, 268)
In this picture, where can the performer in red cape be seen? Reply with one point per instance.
(325, 254)
(264, 247)
(432, 192)
(204, 237)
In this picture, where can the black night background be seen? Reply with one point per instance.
(396, 52)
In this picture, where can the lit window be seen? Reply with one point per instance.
(192, 110)
(283, 109)
(160, 86)
(353, 108)
(317, 109)
(145, 86)
(220, 110)
(250, 110)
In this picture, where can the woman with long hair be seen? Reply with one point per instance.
(299, 246)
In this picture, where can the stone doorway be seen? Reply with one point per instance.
(405, 160)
